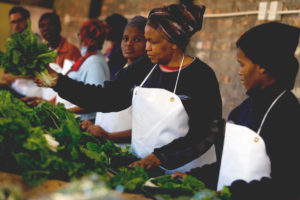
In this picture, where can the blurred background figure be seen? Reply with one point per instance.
(20, 86)
(50, 28)
(91, 68)
(67, 53)
(117, 125)
(18, 18)
(133, 41)
(116, 24)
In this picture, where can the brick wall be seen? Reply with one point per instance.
(214, 44)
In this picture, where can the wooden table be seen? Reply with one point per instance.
(48, 187)
(8, 179)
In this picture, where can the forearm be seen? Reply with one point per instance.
(120, 137)
(78, 110)
(93, 97)
(177, 157)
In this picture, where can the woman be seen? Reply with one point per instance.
(260, 158)
(115, 59)
(91, 68)
(174, 96)
(116, 126)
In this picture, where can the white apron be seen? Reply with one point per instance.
(244, 154)
(158, 117)
(114, 121)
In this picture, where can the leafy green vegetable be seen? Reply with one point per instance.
(26, 56)
(225, 193)
(26, 149)
(168, 187)
(189, 185)
(131, 179)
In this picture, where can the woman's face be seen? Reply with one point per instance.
(159, 50)
(251, 75)
(133, 43)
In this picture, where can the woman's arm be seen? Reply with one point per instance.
(98, 131)
(113, 96)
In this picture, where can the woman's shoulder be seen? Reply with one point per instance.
(236, 112)
(94, 61)
(200, 71)
(289, 104)
(198, 64)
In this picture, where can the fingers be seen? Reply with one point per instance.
(140, 163)
(38, 82)
(32, 101)
(85, 124)
(178, 174)
(145, 163)
(97, 131)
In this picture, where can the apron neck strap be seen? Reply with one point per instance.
(148, 75)
(178, 73)
(176, 78)
(271, 106)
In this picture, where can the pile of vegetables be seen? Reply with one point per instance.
(167, 187)
(26, 56)
(129, 180)
(46, 142)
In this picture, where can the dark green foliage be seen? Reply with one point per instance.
(25, 55)
(168, 187)
(131, 179)
(189, 185)
(26, 151)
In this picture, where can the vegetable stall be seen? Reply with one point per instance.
(45, 143)
(45, 155)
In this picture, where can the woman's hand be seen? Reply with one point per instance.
(179, 174)
(85, 124)
(52, 77)
(32, 101)
(148, 162)
(7, 79)
(95, 130)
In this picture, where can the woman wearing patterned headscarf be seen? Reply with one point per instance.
(91, 68)
(190, 97)
(174, 96)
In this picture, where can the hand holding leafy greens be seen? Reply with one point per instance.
(26, 56)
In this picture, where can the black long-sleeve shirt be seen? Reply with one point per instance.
(197, 88)
(280, 132)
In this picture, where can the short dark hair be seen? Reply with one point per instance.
(53, 17)
(117, 24)
(17, 9)
(137, 21)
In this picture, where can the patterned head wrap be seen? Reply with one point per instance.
(177, 22)
(93, 33)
